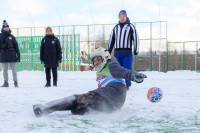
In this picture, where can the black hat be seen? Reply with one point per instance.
(5, 24)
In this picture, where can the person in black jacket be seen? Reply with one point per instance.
(50, 55)
(9, 53)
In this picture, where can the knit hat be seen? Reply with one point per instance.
(5, 24)
(49, 29)
(123, 12)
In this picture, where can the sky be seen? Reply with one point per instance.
(181, 15)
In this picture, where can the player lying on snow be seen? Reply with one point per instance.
(109, 97)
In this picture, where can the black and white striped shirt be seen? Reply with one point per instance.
(122, 38)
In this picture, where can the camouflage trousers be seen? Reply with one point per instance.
(90, 101)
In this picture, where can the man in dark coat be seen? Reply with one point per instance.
(51, 55)
(9, 53)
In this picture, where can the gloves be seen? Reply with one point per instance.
(60, 60)
(138, 77)
(18, 59)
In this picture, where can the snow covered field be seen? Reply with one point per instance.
(178, 111)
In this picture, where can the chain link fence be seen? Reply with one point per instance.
(79, 40)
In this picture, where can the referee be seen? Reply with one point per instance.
(122, 38)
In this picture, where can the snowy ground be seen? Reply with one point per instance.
(178, 111)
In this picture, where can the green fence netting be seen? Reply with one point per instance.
(29, 47)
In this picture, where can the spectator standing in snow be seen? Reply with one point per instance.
(50, 55)
(9, 54)
(122, 36)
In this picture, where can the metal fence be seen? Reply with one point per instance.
(177, 56)
(184, 55)
(95, 35)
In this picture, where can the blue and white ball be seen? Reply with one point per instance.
(154, 94)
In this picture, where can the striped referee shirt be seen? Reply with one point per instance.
(122, 38)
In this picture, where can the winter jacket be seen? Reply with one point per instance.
(9, 51)
(50, 51)
(112, 85)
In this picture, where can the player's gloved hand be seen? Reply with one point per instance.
(138, 77)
